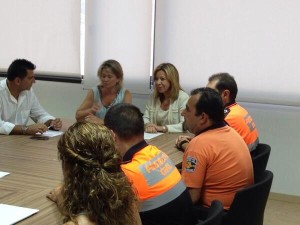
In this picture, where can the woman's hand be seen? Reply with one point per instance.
(94, 119)
(87, 107)
(56, 194)
(151, 128)
(95, 107)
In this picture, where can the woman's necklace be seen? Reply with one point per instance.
(165, 104)
(112, 103)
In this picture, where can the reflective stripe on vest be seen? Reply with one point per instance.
(154, 176)
(161, 165)
(253, 145)
(240, 120)
(164, 198)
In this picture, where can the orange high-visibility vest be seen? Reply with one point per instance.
(239, 119)
(155, 178)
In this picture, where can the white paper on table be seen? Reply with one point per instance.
(10, 214)
(148, 136)
(3, 174)
(52, 133)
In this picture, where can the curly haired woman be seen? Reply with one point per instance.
(95, 190)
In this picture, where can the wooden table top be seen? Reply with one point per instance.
(166, 143)
(35, 170)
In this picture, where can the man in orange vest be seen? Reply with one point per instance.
(163, 197)
(235, 115)
(217, 162)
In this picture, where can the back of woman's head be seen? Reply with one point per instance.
(94, 183)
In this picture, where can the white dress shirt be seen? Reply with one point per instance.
(17, 112)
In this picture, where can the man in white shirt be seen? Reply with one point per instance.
(18, 102)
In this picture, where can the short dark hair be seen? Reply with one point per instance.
(125, 120)
(225, 82)
(209, 102)
(18, 68)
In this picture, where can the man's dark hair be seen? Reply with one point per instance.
(18, 68)
(209, 102)
(125, 120)
(226, 82)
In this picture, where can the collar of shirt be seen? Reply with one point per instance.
(230, 104)
(215, 126)
(12, 98)
(134, 149)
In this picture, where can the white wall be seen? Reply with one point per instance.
(59, 99)
(278, 126)
(63, 99)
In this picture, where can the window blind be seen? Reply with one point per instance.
(255, 41)
(45, 32)
(120, 30)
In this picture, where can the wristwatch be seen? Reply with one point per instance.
(164, 129)
(24, 129)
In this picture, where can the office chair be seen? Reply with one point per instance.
(249, 204)
(215, 213)
(260, 160)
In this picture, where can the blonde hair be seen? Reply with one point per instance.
(172, 76)
(94, 183)
(116, 69)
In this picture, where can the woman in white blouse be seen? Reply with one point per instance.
(165, 104)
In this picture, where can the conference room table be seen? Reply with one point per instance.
(35, 170)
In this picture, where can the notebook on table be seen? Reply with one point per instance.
(10, 214)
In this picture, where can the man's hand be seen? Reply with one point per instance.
(182, 142)
(36, 128)
(56, 124)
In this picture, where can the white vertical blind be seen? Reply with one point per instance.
(120, 30)
(46, 32)
(256, 41)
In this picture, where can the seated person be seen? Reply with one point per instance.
(18, 102)
(109, 92)
(217, 162)
(95, 190)
(164, 107)
(235, 115)
(163, 197)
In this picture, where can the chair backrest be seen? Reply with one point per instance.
(249, 204)
(215, 214)
(260, 160)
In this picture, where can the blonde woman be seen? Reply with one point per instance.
(109, 92)
(95, 190)
(164, 107)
